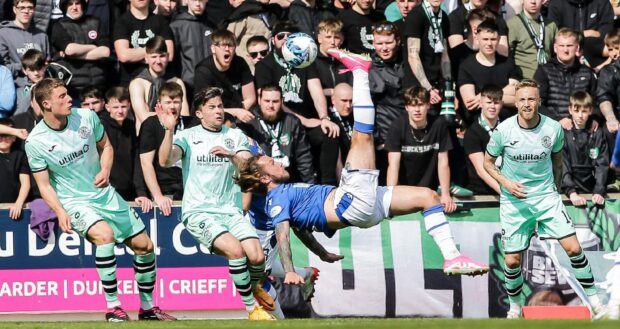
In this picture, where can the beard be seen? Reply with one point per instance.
(271, 117)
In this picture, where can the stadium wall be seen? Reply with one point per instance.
(391, 270)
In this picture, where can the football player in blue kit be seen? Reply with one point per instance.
(255, 206)
(358, 200)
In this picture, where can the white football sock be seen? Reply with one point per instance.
(363, 107)
(438, 227)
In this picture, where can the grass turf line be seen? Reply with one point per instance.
(341, 323)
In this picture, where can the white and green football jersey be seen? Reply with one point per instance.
(527, 153)
(208, 179)
(70, 156)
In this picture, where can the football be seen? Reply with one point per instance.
(299, 50)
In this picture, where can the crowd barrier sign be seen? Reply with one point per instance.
(390, 270)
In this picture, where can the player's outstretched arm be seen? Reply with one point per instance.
(237, 158)
(240, 158)
(286, 257)
(313, 245)
(51, 198)
(514, 188)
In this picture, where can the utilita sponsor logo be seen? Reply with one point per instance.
(530, 157)
(209, 158)
(72, 156)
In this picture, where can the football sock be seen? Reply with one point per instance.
(278, 271)
(438, 227)
(514, 284)
(105, 260)
(145, 271)
(256, 273)
(238, 270)
(268, 287)
(583, 273)
(363, 108)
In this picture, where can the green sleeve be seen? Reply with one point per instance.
(180, 140)
(35, 160)
(495, 147)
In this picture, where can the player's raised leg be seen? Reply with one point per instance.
(102, 235)
(405, 199)
(410, 199)
(145, 273)
(362, 152)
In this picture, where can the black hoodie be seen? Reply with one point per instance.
(585, 161)
(583, 15)
(192, 43)
(126, 174)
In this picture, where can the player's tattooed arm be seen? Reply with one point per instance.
(284, 245)
(556, 161)
(413, 57)
(313, 245)
(286, 257)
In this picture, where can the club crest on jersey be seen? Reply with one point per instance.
(80, 225)
(285, 139)
(84, 132)
(275, 211)
(229, 143)
(593, 153)
(546, 142)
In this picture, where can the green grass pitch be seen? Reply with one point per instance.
(343, 323)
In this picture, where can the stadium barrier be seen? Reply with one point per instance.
(391, 270)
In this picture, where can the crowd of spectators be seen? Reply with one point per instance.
(115, 57)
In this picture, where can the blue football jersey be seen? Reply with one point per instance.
(300, 204)
(258, 216)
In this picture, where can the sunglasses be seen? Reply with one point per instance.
(263, 53)
(384, 28)
(282, 35)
